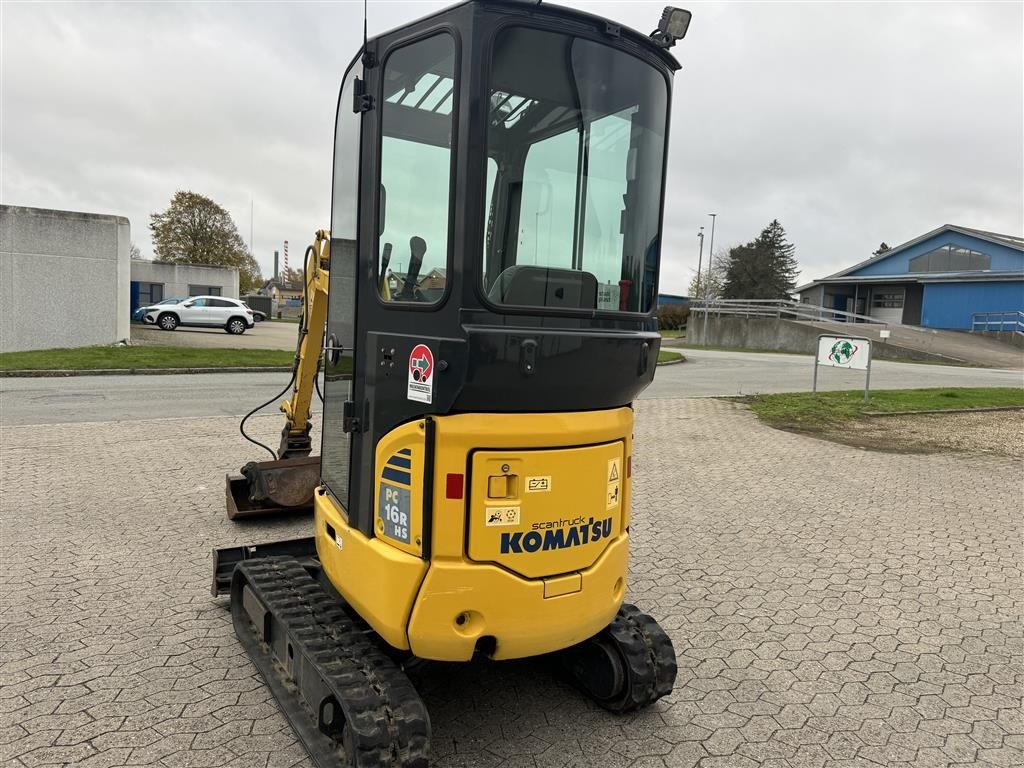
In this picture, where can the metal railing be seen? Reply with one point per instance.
(1009, 320)
(781, 308)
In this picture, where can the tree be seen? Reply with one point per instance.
(764, 268)
(134, 252)
(711, 287)
(195, 230)
(881, 249)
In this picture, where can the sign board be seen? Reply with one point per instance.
(844, 352)
(850, 352)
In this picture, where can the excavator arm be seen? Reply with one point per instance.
(287, 483)
(295, 439)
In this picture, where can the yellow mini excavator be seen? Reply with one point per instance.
(483, 307)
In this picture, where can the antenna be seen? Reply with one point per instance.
(365, 2)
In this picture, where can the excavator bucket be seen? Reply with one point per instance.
(272, 487)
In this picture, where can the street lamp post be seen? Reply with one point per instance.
(711, 256)
(700, 261)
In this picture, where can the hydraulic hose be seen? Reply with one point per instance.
(303, 323)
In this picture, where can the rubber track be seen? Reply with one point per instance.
(387, 725)
(648, 656)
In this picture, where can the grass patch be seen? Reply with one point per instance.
(668, 357)
(804, 412)
(93, 358)
(283, 319)
(679, 333)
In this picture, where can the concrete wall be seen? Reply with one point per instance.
(176, 278)
(771, 333)
(64, 278)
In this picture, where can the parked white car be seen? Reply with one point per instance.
(205, 311)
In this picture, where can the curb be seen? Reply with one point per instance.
(682, 359)
(987, 409)
(61, 372)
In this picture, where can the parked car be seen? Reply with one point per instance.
(139, 313)
(204, 311)
(257, 315)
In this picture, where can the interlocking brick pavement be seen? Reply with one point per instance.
(829, 606)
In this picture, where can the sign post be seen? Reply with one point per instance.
(851, 352)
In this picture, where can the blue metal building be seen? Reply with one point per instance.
(938, 280)
(672, 300)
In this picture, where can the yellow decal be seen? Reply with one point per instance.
(614, 475)
(502, 516)
(538, 484)
(614, 471)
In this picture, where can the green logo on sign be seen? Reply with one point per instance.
(842, 352)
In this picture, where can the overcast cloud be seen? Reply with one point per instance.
(851, 123)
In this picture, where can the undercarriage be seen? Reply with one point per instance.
(349, 700)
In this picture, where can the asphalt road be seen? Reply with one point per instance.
(706, 373)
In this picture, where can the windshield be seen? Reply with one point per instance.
(576, 146)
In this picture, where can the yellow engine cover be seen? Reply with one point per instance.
(541, 513)
(528, 545)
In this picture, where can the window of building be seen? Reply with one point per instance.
(150, 293)
(887, 299)
(415, 170)
(204, 290)
(951, 258)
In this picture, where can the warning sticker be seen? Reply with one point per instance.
(614, 478)
(538, 484)
(421, 374)
(502, 516)
(613, 496)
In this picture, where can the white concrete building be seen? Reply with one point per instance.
(64, 278)
(152, 282)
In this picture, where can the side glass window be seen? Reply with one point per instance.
(336, 444)
(415, 171)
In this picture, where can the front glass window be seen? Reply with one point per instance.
(576, 147)
(415, 170)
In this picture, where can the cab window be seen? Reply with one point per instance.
(415, 171)
(576, 138)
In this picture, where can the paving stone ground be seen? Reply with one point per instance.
(828, 605)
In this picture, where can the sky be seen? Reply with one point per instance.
(851, 123)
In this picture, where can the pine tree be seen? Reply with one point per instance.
(765, 268)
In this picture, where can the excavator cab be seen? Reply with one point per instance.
(490, 285)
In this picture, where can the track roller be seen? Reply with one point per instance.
(347, 701)
(627, 666)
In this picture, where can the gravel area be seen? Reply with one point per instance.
(996, 432)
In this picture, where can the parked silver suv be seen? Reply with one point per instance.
(210, 311)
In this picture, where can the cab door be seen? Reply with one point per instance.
(339, 346)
